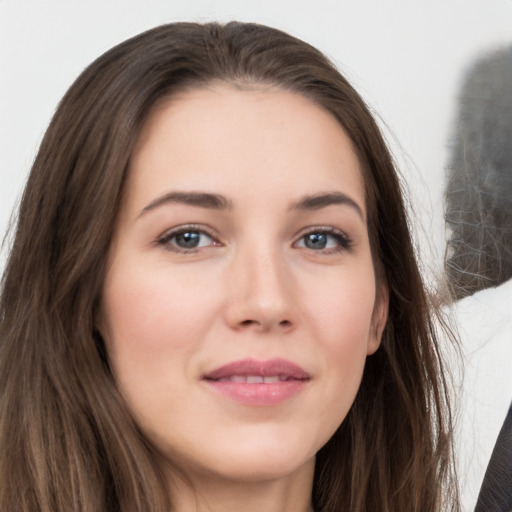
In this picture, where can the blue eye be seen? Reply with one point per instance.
(189, 239)
(316, 241)
(186, 239)
(329, 240)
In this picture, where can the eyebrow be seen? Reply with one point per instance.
(318, 201)
(200, 199)
(220, 202)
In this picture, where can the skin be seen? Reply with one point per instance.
(254, 287)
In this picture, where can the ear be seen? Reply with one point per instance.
(379, 318)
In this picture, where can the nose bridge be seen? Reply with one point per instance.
(267, 280)
(261, 287)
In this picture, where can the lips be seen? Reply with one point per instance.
(254, 379)
(259, 383)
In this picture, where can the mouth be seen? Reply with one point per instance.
(258, 383)
(255, 379)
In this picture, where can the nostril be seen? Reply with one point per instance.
(249, 322)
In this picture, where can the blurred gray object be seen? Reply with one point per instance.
(478, 195)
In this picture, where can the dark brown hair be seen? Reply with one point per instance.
(67, 440)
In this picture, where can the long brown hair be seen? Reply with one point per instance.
(67, 441)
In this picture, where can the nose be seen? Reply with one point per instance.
(261, 296)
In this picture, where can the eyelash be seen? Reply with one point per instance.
(344, 243)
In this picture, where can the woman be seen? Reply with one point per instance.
(212, 301)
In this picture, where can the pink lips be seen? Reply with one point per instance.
(258, 382)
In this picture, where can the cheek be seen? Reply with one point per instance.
(342, 311)
(152, 327)
(152, 309)
(153, 332)
(341, 317)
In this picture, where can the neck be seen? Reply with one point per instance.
(291, 493)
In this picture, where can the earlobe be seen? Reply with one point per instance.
(379, 319)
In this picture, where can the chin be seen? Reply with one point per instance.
(248, 459)
(264, 469)
(264, 466)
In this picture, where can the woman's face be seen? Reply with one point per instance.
(239, 305)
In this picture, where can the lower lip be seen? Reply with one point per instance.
(258, 394)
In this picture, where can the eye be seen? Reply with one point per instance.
(187, 239)
(326, 239)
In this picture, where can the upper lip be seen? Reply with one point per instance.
(269, 368)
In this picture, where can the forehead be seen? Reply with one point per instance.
(232, 137)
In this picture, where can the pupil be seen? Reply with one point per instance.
(187, 240)
(316, 241)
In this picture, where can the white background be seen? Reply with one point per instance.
(406, 57)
